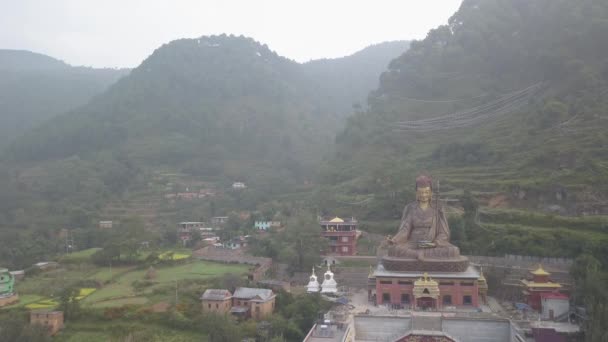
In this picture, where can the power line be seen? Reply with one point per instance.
(507, 103)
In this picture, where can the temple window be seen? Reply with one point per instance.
(405, 298)
(467, 300)
(386, 282)
(405, 282)
(345, 249)
(447, 300)
(446, 283)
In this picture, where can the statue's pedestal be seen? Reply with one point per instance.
(455, 264)
(8, 299)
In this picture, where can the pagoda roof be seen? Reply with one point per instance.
(540, 271)
(548, 284)
(336, 220)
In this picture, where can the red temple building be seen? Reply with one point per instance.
(538, 287)
(342, 235)
(427, 290)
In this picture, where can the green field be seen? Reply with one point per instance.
(116, 283)
(121, 287)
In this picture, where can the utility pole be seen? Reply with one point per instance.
(176, 291)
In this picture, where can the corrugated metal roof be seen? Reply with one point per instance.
(216, 294)
(250, 293)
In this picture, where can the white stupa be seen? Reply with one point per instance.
(329, 283)
(313, 284)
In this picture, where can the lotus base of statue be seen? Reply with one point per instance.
(399, 264)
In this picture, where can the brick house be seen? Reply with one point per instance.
(252, 302)
(216, 301)
(53, 320)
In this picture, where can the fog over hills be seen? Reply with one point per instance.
(35, 87)
(201, 102)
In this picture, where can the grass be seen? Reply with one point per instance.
(120, 302)
(80, 256)
(104, 274)
(122, 287)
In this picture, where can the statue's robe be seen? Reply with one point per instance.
(419, 224)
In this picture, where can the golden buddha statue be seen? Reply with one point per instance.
(424, 232)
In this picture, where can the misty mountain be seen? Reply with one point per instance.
(345, 82)
(35, 87)
(220, 105)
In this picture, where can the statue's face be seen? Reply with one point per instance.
(424, 194)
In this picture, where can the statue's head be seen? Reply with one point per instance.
(424, 189)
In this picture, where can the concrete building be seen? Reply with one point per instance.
(251, 302)
(554, 305)
(342, 235)
(217, 301)
(427, 327)
(52, 320)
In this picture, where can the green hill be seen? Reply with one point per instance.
(218, 109)
(214, 106)
(35, 87)
(509, 97)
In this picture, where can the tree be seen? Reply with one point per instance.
(68, 302)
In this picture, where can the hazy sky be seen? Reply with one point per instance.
(122, 33)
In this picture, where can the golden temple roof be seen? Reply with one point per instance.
(540, 271)
(547, 284)
(337, 220)
(425, 281)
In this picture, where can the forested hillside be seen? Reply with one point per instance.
(220, 108)
(202, 104)
(506, 106)
(35, 87)
(509, 97)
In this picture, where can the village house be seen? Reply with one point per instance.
(52, 320)
(105, 224)
(251, 302)
(188, 196)
(216, 301)
(246, 302)
(261, 225)
(219, 220)
(237, 242)
(238, 185)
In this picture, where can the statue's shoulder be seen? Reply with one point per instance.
(410, 207)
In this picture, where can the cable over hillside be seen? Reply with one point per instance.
(506, 103)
